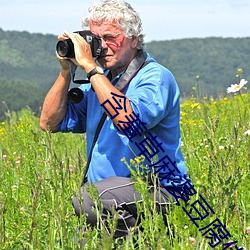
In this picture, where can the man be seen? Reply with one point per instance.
(132, 90)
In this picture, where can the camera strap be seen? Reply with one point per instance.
(136, 64)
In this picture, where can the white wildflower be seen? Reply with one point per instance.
(248, 230)
(237, 87)
(192, 241)
(14, 188)
(247, 133)
(22, 210)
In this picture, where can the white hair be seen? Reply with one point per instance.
(120, 13)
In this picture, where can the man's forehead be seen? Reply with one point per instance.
(104, 28)
(104, 25)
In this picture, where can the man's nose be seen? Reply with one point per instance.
(104, 44)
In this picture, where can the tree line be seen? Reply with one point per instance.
(202, 67)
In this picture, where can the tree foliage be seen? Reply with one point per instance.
(28, 65)
(212, 63)
(17, 95)
(28, 57)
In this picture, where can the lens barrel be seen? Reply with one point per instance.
(75, 95)
(65, 48)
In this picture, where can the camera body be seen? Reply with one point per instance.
(65, 48)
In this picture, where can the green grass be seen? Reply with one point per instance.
(40, 172)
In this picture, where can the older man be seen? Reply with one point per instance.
(136, 93)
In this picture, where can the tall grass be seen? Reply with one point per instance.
(40, 172)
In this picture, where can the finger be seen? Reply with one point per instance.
(69, 60)
(59, 57)
(63, 36)
(66, 33)
(62, 58)
(69, 34)
(75, 37)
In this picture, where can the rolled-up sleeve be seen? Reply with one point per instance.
(75, 117)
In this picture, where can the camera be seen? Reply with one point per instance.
(65, 48)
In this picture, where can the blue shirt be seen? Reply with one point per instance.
(154, 97)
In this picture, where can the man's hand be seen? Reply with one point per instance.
(66, 63)
(83, 54)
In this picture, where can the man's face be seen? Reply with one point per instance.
(118, 50)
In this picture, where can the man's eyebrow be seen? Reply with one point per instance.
(107, 33)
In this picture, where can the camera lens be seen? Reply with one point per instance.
(65, 48)
(75, 95)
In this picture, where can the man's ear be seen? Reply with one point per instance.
(134, 42)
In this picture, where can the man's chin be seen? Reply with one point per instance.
(104, 63)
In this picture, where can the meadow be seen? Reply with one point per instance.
(40, 172)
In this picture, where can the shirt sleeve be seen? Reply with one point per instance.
(75, 118)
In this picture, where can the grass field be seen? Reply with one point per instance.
(40, 172)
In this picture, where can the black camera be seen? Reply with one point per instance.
(65, 48)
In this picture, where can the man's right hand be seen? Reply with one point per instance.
(66, 63)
